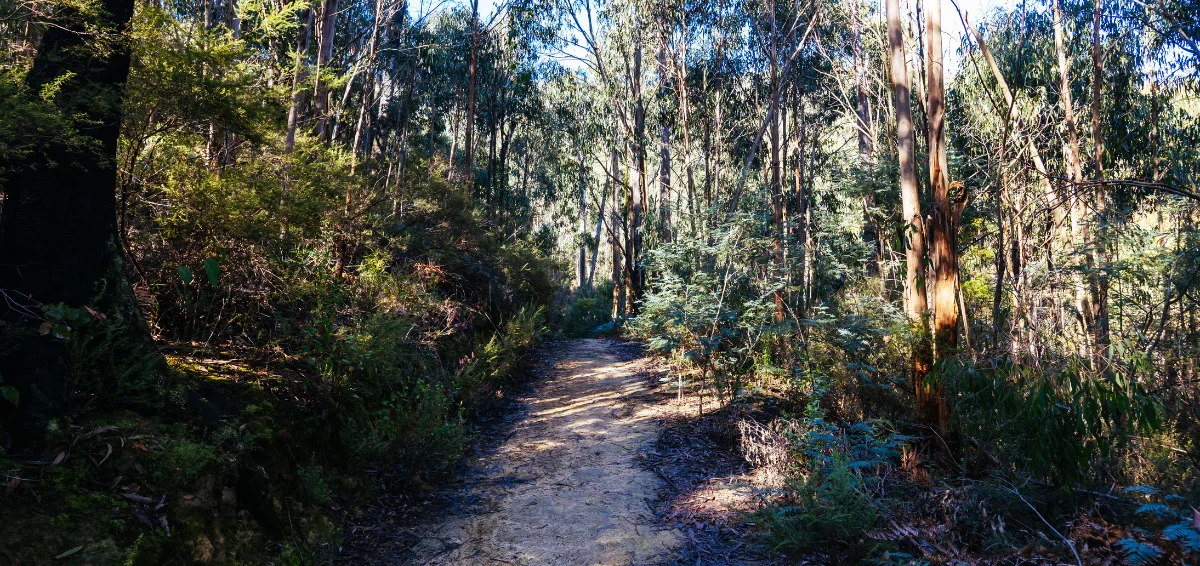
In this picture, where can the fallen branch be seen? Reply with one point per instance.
(1039, 515)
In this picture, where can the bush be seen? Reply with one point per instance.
(828, 511)
(587, 311)
(1056, 425)
(829, 506)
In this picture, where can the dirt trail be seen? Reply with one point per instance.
(565, 487)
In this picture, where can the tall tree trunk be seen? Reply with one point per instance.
(608, 183)
(800, 132)
(293, 120)
(402, 136)
(914, 226)
(708, 161)
(1100, 253)
(775, 177)
(1081, 235)
(944, 231)
(457, 117)
(637, 274)
(615, 236)
(719, 131)
(299, 70)
(664, 152)
(680, 64)
(491, 162)
(324, 56)
(502, 161)
(59, 241)
(581, 266)
(469, 146)
(382, 13)
(632, 224)
(866, 148)
(235, 22)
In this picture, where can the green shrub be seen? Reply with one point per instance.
(587, 310)
(423, 428)
(828, 507)
(1055, 425)
(827, 511)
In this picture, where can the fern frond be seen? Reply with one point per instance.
(1157, 509)
(1184, 535)
(1138, 553)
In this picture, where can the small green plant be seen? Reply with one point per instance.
(1138, 553)
(1164, 525)
(62, 321)
(864, 445)
(423, 427)
(339, 356)
(312, 485)
(829, 511)
(9, 393)
(587, 310)
(831, 507)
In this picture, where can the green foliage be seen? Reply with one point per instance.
(1054, 425)
(424, 427)
(828, 512)
(586, 311)
(61, 320)
(312, 485)
(865, 445)
(830, 507)
(32, 121)
(213, 270)
(1184, 534)
(1164, 524)
(9, 393)
(711, 321)
(1138, 553)
(374, 293)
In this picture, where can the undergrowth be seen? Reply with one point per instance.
(285, 389)
(1041, 461)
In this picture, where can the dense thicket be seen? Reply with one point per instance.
(342, 221)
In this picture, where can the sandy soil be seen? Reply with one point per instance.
(565, 487)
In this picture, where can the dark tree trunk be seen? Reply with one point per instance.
(666, 197)
(776, 178)
(635, 272)
(614, 225)
(1101, 255)
(866, 150)
(469, 165)
(324, 56)
(59, 241)
(581, 266)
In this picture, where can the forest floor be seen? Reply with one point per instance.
(594, 463)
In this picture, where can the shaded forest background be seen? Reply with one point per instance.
(264, 259)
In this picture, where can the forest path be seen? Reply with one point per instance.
(565, 486)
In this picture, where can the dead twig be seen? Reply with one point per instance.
(1070, 545)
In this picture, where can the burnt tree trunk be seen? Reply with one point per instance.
(59, 241)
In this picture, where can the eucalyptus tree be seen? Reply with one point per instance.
(60, 246)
